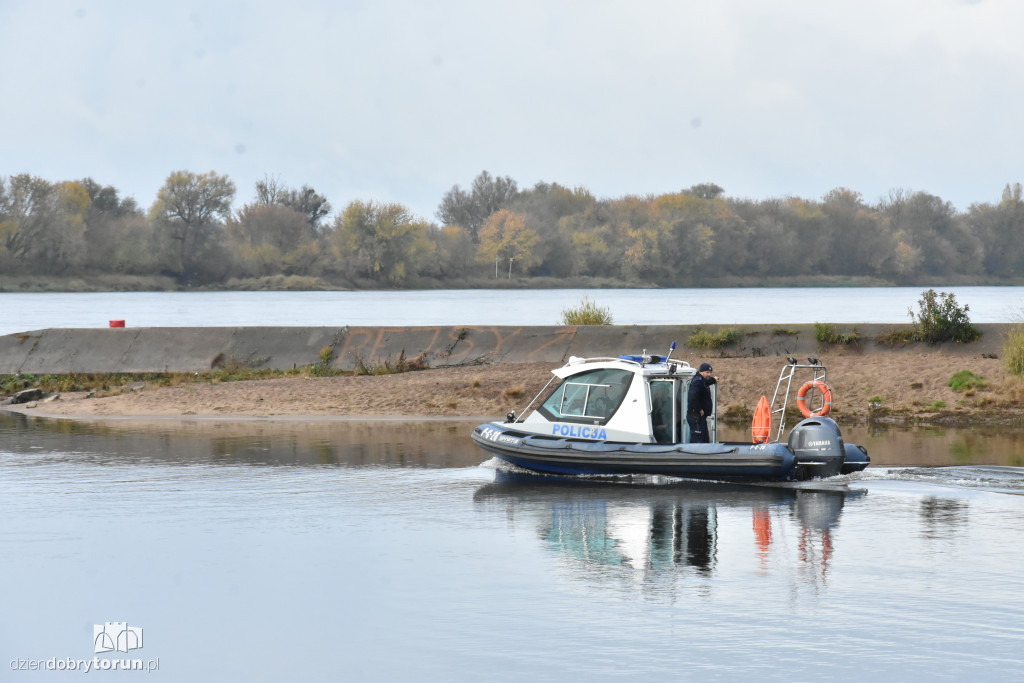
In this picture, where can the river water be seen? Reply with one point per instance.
(390, 550)
(393, 550)
(24, 312)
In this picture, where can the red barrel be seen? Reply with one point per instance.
(117, 323)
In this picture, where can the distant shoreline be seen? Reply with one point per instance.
(14, 284)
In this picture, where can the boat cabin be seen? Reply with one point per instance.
(634, 399)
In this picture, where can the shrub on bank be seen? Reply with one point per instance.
(940, 319)
(826, 333)
(586, 313)
(702, 339)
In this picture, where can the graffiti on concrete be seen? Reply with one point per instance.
(453, 345)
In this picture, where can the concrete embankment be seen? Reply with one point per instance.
(189, 349)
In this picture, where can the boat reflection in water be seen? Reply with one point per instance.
(650, 533)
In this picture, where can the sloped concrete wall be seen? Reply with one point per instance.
(187, 349)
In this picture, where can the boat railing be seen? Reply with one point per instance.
(576, 360)
(512, 418)
(780, 400)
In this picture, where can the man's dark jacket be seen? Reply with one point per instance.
(699, 396)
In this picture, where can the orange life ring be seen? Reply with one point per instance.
(826, 399)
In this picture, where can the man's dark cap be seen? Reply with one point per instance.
(704, 366)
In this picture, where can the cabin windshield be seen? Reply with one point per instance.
(591, 396)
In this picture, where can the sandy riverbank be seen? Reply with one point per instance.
(910, 386)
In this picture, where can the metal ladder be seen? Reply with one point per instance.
(786, 377)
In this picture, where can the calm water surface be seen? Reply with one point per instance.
(389, 550)
(23, 312)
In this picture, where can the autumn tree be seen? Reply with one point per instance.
(630, 217)
(544, 206)
(686, 228)
(188, 214)
(469, 209)
(777, 250)
(1001, 229)
(306, 201)
(547, 203)
(118, 238)
(277, 232)
(930, 237)
(705, 191)
(859, 243)
(811, 242)
(593, 240)
(106, 199)
(453, 256)
(272, 240)
(25, 207)
(42, 225)
(505, 238)
(67, 231)
(381, 241)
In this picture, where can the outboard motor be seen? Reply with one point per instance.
(819, 448)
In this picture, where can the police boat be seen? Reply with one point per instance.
(627, 415)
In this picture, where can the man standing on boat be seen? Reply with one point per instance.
(698, 404)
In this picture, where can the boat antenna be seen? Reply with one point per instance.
(671, 348)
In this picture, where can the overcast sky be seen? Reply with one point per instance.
(399, 101)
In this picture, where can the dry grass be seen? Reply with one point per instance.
(515, 392)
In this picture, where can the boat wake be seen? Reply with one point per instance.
(994, 478)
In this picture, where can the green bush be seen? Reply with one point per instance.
(702, 339)
(965, 380)
(586, 313)
(941, 319)
(1013, 349)
(826, 333)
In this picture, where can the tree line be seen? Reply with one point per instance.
(494, 230)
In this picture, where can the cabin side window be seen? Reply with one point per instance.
(590, 397)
